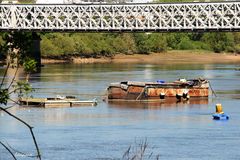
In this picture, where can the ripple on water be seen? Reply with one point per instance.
(179, 131)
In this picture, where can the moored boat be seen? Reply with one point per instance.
(180, 89)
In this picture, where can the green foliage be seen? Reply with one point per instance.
(140, 40)
(29, 65)
(48, 48)
(156, 42)
(1, 41)
(124, 43)
(173, 39)
(236, 36)
(57, 44)
(237, 48)
(22, 88)
(2, 52)
(87, 44)
(18, 45)
(153, 42)
(216, 42)
(80, 44)
(219, 42)
(26, 1)
(185, 43)
(4, 96)
(64, 43)
(109, 44)
(100, 44)
(173, 1)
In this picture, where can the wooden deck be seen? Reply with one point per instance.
(56, 102)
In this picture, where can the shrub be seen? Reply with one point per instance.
(219, 41)
(49, 49)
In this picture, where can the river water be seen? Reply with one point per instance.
(177, 131)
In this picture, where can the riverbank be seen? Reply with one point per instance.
(169, 57)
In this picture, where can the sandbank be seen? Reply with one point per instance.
(168, 57)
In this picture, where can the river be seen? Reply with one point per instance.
(179, 131)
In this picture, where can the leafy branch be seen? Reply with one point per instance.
(18, 51)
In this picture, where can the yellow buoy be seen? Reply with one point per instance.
(219, 109)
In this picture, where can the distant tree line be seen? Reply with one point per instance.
(109, 44)
(101, 44)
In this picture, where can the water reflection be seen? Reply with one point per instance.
(156, 104)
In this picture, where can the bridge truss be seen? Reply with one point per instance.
(222, 16)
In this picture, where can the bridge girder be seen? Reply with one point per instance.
(162, 17)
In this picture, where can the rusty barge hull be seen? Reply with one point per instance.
(151, 90)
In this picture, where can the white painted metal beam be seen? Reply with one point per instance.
(221, 16)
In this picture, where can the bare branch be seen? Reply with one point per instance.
(16, 89)
(136, 153)
(16, 102)
(127, 153)
(10, 107)
(15, 74)
(8, 150)
(5, 73)
(30, 128)
(20, 153)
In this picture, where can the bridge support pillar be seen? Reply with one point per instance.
(36, 52)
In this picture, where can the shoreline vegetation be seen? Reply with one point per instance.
(152, 48)
(158, 48)
(168, 57)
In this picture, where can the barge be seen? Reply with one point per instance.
(181, 89)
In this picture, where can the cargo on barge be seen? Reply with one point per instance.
(160, 90)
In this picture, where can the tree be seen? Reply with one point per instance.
(140, 40)
(21, 87)
(156, 42)
(124, 43)
(219, 42)
(48, 49)
(27, 1)
(18, 45)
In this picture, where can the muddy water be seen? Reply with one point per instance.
(176, 131)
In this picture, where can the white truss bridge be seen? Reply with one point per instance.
(218, 16)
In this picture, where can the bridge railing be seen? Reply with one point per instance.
(223, 16)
